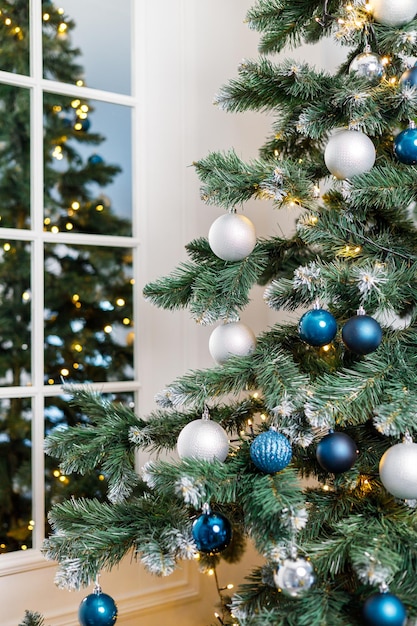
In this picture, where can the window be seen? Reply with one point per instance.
(68, 238)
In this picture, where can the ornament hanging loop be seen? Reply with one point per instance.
(97, 587)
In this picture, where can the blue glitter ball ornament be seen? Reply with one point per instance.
(405, 146)
(409, 77)
(362, 334)
(317, 327)
(95, 159)
(384, 609)
(97, 609)
(270, 451)
(212, 532)
(336, 452)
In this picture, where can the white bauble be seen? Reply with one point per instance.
(231, 339)
(368, 65)
(294, 577)
(393, 12)
(203, 439)
(232, 237)
(348, 153)
(398, 470)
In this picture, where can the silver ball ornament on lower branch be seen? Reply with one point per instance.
(368, 65)
(398, 470)
(232, 237)
(203, 439)
(393, 12)
(349, 153)
(231, 339)
(294, 577)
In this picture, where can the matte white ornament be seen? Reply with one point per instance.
(231, 339)
(232, 237)
(349, 153)
(203, 439)
(398, 470)
(393, 12)
(294, 577)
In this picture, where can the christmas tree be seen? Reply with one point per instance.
(83, 283)
(301, 439)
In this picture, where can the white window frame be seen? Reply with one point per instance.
(37, 85)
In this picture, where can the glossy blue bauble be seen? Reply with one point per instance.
(97, 609)
(409, 77)
(95, 159)
(336, 452)
(405, 146)
(212, 532)
(317, 327)
(270, 451)
(362, 334)
(384, 609)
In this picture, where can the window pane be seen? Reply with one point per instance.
(59, 413)
(88, 34)
(14, 36)
(87, 166)
(15, 313)
(14, 157)
(88, 314)
(16, 523)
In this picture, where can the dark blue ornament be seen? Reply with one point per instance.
(384, 609)
(362, 334)
(97, 609)
(95, 159)
(212, 532)
(409, 77)
(405, 146)
(83, 125)
(270, 451)
(336, 452)
(317, 327)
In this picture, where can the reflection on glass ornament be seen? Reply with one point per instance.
(203, 439)
(349, 153)
(317, 327)
(231, 339)
(232, 237)
(362, 334)
(393, 12)
(409, 77)
(270, 451)
(336, 452)
(212, 532)
(97, 609)
(368, 65)
(294, 577)
(405, 146)
(398, 470)
(384, 609)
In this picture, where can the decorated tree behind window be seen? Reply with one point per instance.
(88, 290)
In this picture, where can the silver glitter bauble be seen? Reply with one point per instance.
(203, 439)
(294, 577)
(368, 65)
(393, 12)
(398, 470)
(349, 153)
(232, 237)
(231, 339)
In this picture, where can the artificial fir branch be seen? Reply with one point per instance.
(32, 619)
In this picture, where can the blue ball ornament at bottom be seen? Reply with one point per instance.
(336, 452)
(362, 334)
(97, 609)
(317, 327)
(384, 609)
(270, 451)
(212, 532)
(405, 146)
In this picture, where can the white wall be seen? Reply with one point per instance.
(188, 49)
